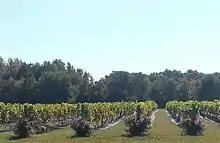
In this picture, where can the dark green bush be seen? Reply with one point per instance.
(23, 128)
(192, 127)
(137, 127)
(38, 128)
(82, 128)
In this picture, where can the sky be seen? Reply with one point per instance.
(101, 36)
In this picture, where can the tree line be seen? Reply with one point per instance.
(56, 82)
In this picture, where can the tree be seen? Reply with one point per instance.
(55, 82)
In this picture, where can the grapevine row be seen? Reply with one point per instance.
(97, 113)
(182, 108)
(186, 116)
(210, 109)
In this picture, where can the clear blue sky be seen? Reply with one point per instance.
(104, 35)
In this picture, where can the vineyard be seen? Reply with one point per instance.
(95, 112)
(208, 109)
(111, 122)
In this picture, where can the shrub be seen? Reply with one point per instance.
(82, 128)
(137, 127)
(23, 128)
(38, 128)
(192, 127)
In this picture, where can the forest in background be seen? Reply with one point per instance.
(56, 82)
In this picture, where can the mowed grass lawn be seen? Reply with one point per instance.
(163, 131)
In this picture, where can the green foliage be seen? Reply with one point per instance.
(56, 82)
(137, 127)
(192, 127)
(82, 128)
(189, 113)
(38, 128)
(23, 128)
(138, 124)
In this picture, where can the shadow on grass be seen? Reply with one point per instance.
(185, 134)
(2, 131)
(131, 136)
(38, 134)
(14, 138)
(75, 136)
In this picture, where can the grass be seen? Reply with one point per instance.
(163, 131)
